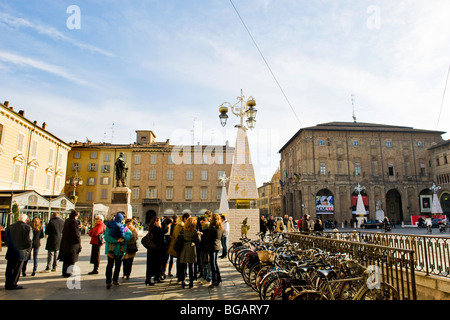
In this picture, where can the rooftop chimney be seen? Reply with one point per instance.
(6, 103)
(22, 113)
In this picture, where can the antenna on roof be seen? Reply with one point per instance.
(353, 107)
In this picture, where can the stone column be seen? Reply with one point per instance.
(242, 189)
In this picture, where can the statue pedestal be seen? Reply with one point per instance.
(120, 202)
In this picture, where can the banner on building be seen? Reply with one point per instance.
(355, 201)
(324, 205)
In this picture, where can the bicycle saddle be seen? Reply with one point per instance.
(327, 274)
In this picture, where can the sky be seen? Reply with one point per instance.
(100, 70)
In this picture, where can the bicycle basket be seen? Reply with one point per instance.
(266, 256)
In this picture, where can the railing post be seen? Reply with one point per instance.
(425, 247)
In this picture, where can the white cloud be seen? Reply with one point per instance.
(50, 32)
(40, 65)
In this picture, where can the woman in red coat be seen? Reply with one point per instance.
(94, 233)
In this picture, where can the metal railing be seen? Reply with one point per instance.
(431, 253)
(396, 265)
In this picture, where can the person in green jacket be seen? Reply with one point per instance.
(115, 262)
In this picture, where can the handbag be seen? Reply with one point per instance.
(101, 239)
(147, 241)
(179, 243)
(132, 247)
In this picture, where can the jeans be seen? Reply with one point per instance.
(35, 261)
(206, 271)
(215, 272)
(224, 246)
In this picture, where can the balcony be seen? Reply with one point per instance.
(148, 201)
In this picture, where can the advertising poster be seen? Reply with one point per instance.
(324, 205)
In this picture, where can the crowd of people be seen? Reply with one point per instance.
(204, 240)
(288, 224)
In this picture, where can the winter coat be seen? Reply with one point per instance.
(18, 239)
(213, 240)
(54, 233)
(99, 228)
(70, 241)
(176, 231)
(109, 239)
(133, 239)
(189, 253)
(37, 236)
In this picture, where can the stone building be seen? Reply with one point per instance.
(263, 203)
(322, 165)
(269, 201)
(32, 166)
(439, 162)
(164, 179)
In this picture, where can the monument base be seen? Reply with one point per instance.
(379, 215)
(235, 218)
(120, 202)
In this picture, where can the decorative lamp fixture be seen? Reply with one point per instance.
(223, 115)
(241, 109)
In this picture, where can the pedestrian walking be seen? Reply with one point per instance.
(131, 249)
(290, 225)
(70, 243)
(114, 258)
(97, 238)
(271, 224)
(263, 225)
(318, 225)
(19, 241)
(177, 229)
(38, 234)
(305, 224)
(155, 254)
(226, 232)
(213, 246)
(53, 231)
(188, 255)
(280, 226)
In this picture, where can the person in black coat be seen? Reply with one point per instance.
(19, 241)
(54, 232)
(155, 255)
(70, 243)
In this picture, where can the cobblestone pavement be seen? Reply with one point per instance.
(52, 286)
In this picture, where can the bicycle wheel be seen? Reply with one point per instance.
(349, 289)
(246, 270)
(272, 284)
(386, 292)
(253, 274)
(240, 258)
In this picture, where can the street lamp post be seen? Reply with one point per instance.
(75, 181)
(241, 109)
